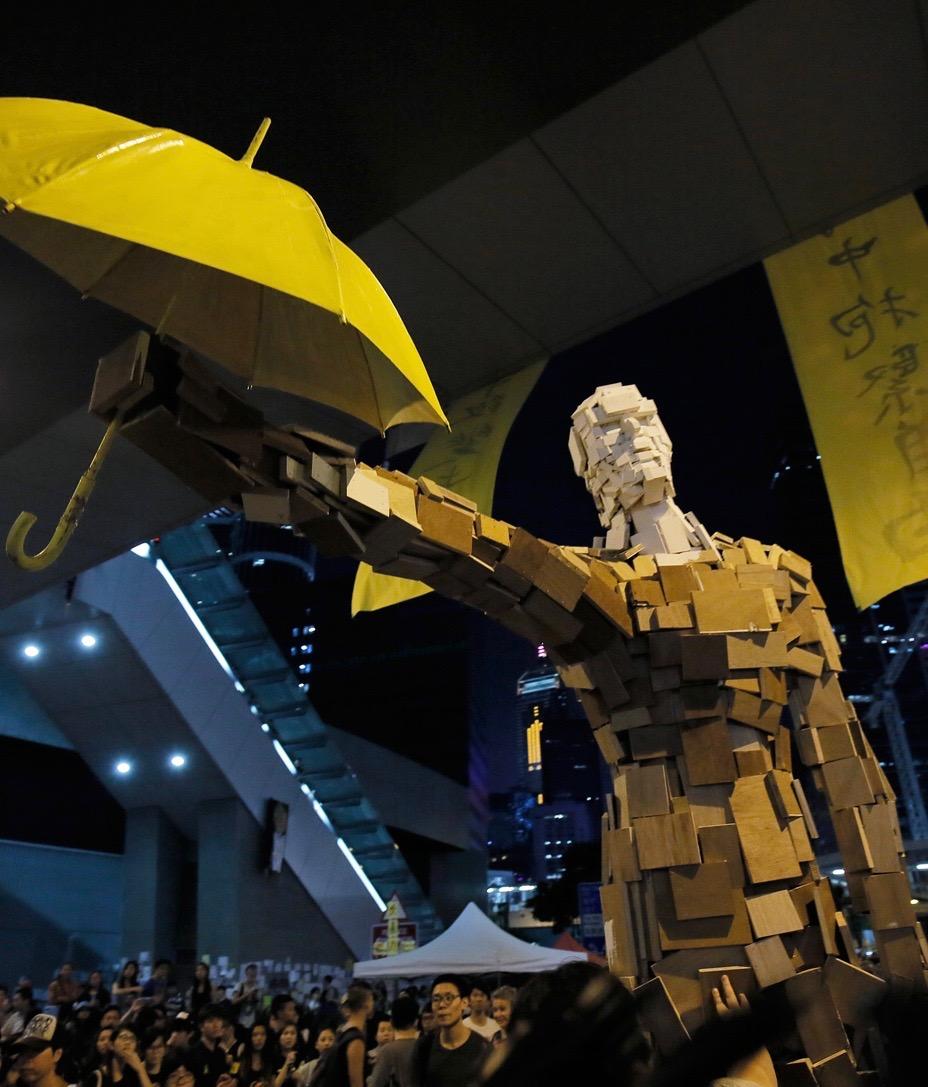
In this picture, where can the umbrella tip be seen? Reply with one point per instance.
(249, 157)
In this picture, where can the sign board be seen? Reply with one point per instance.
(590, 909)
(394, 934)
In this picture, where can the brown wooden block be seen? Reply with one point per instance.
(637, 717)
(526, 554)
(702, 700)
(384, 541)
(770, 961)
(617, 922)
(879, 829)
(823, 700)
(753, 711)
(408, 566)
(853, 990)
(741, 979)
(563, 577)
(333, 535)
(816, 1018)
(773, 686)
(875, 777)
(754, 760)
(644, 566)
(900, 955)
(731, 610)
(677, 935)
(576, 676)
(846, 783)
(809, 746)
(754, 550)
(643, 592)
(795, 564)
(709, 804)
(704, 656)
(438, 493)
(664, 648)
(801, 660)
(719, 842)
(838, 1070)
(562, 625)
(764, 577)
(718, 580)
(783, 751)
(445, 524)
(796, 1073)
(666, 679)
(709, 759)
(803, 617)
(845, 937)
(606, 679)
(648, 792)
(779, 786)
(680, 973)
(744, 681)
(655, 742)
(497, 532)
(890, 900)
(609, 603)
(659, 1016)
(701, 890)
(676, 616)
(766, 844)
(805, 948)
(827, 640)
(609, 745)
(773, 913)
(835, 742)
(679, 582)
(594, 708)
(623, 857)
(469, 570)
(666, 840)
(801, 843)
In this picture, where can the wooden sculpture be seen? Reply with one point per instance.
(687, 650)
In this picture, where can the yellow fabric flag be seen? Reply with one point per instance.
(465, 460)
(854, 305)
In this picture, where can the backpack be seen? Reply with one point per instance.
(332, 1069)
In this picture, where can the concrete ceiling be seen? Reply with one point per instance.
(783, 118)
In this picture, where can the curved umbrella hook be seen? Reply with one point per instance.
(16, 537)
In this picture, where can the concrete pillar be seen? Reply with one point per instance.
(152, 904)
(224, 868)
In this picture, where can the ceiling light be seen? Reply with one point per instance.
(88, 641)
(178, 761)
(123, 767)
(913, 901)
(31, 651)
(837, 871)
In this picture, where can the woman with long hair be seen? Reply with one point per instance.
(128, 985)
(288, 1059)
(200, 993)
(258, 1063)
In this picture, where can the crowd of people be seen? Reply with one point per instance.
(577, 1025)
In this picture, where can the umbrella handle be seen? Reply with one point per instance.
(16, 538)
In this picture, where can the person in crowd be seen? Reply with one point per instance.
(200, 992)
(288, 1060)
(102, 1051)
(383, 1033)
(80, 1032)
(111, 1016)
(343, 1064)
(95, 993)
(325, 1039)
(63, 990)
(230, 1043)
(247, 996)
(22, 1010)
(128, 986)
(180, 1032)
(257, 1067)
(503, 999)
(125, 1066)
(479, 1019)
(283, 1012)
(453, 1055)
(207, 1060)
(428, 1020)
(38, 1052)
(154, 1050)
(159, 985)
(393, 1067)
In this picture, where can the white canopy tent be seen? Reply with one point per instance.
(471, 945)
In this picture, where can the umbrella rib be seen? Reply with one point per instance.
(370, 375)
(130, 247)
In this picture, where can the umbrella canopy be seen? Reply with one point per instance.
(471, 945)
(233, 262)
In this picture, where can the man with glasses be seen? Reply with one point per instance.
(454, 1055)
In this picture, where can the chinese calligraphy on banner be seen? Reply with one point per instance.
(464, 459)
(854, 306)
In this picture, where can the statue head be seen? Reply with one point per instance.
(621, 450)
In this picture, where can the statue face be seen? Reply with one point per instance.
(621, 450)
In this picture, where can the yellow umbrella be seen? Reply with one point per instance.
(235, 263)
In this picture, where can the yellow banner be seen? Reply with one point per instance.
(464, 459)
(854, 305)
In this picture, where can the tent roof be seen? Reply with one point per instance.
(471, 945)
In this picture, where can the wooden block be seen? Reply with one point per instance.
(679, 582)
(437, 492)
(796, 1073)
(702, 700)
(838, 1070)
(120, 374)
(801, 843)
(666, 840)
(701, 890)
(827, 640)
(741, 979)
(846, 783)
(664, 649)
(816, 1018)
(900, 955)
(676, 616)
(446, 524)
(709, 759)
(623, 857)
(611, 749)
(497, 532)
(561, 625)
(719, 842)
(680, 972)
(675, 935)
(610, 604)
(766, 844)
(752, 761)
(333, 535)
(801, 660)
(890, 900)
(853, 990)
(659, 1016)
(744, 681)
(644, 566)
(783, 751)
(770, 961)
(617, 921)
(648, 792)
(563, 577)
(731, 610)
(704, 656)
(773, 686)
(753, 711)
(779, 786)
(879, 830)
(709, 804)
(823, 700)
(772, 914)
(756, 650)
(643, 592)
(366, 492)
(795, 564)
(655, 742)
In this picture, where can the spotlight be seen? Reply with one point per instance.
(31, 651)
(265, 727)
(123, 767)
(88, 641)
(178, 761)
(837, 871)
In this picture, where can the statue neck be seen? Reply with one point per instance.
(660, 529)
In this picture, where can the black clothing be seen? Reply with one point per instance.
(435, 1066)
(332, 1069)
(207, 1065)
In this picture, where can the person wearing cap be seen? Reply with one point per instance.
(37, 1053)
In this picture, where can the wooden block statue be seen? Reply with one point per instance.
(706, 665)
